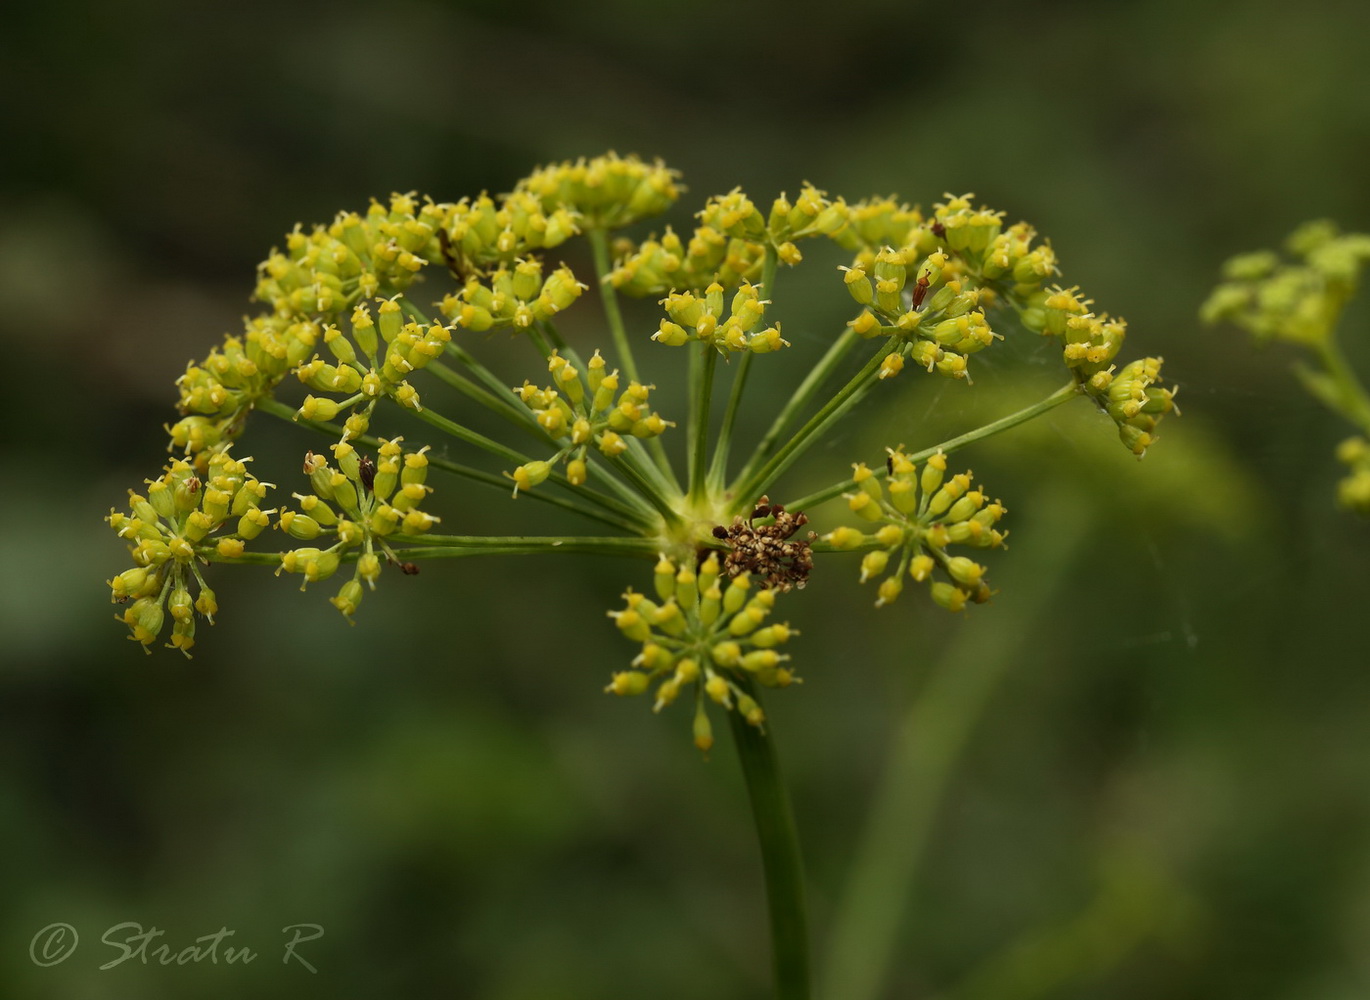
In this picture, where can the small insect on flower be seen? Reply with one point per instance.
(920, 289)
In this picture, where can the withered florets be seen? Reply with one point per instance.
(769, 551)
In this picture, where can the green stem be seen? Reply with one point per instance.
(636, 524)
(702, 367)
(458, 545)
(599, 246)
(780, 856)
(1064, 394)
(922, 758)
(1355, 403)
(540, 341)
(803, 396)
(245, 559)
(628, 465)
(484, 375)
(450, 427)
(718, 468)
(634, 507)
(633, 523)
(665, 486)
(847, 397)
(519, 416)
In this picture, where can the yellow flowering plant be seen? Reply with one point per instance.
(1300, 302)
(356, 311)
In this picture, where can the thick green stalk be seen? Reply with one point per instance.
(747, 490)
(718, 468)
(924, 754)
(1064, 394)
(702, 383)
(780, 855)
(803, 396)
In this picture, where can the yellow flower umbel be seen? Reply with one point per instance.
(919, 515)
(366, 368)
(940, 329)
(884, 222)
(703, 318)
(516, 296)
(707, 631)
(1353, 492)
(479, 233)
(669, 264)
(326, 271)
(605, 192)
(176, 526)
(1295, 302)
(1301, 303)
(217, 394)
(359, 504)
(582, 410)
(1132, 396)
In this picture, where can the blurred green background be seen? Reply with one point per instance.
(1152, 749)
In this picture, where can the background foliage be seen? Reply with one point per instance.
(1166, 788)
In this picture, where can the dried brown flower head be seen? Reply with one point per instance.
(769, 551)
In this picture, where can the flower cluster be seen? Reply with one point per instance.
(342, 314)
(358, 504)
(703, 318)
(920, 514)
(704, 630)
(728, 245)
(327, 270)
(1353, 492)
(605, 192)
(666, 264)
(585, 408)
(516, 297)
(175, 526)
(376, 373)
(1301, 303)
(810, 214)
(477, 233)
(874, 223)
(218, 393)
(939, 331)
(1298, 302)
(1132, 396)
